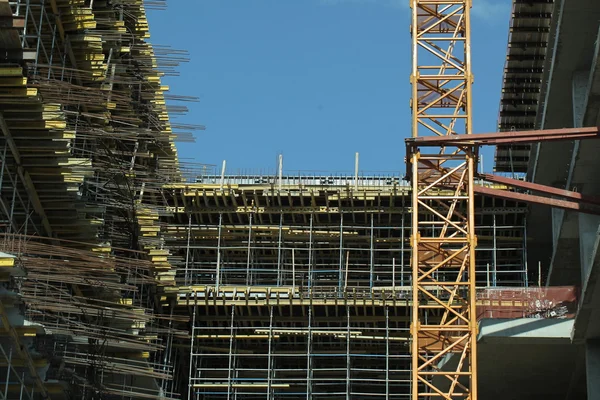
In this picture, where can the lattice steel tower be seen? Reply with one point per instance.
(444, 326)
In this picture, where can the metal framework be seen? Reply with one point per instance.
(573, 200)
(85, 143)
(444, 325)
(315, 273)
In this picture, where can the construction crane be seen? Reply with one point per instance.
(441, 160)
(444, 323)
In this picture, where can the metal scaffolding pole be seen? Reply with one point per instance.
(387, 352)
(402, 240)
(341, 261)
(348, 359)
(191, 372)
(269, 360)
(218, 272)
(279, 244)
(3, 164)
(495, 253)
(230, 377)
(371, 256)
(309, 356)
(310, 252)
(248, 271)
(187, 253)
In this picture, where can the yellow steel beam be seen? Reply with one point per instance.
(286, 209)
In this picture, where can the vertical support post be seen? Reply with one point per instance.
(167, 352)
(341, 260)
(223, 174)
(526, 277)
(310, 252)
(27, 216)
(348, 359)
(346, 277)
(39, 38)
(3, 164)
(280, 170)
(218, 277)
(393, 273)
(293, 270)
(50, 72)
(248, 274)
(402, 238)
(231, 338)
(190, 375)
(269, 369)
(24, 38)
(279, 244)
(387, 352)
(473, 326)
(539, 273)
(371, 256)
(356, 170)
(308, 356)
(415, 320)
(187, 249)
(12, 204)
(495, 253)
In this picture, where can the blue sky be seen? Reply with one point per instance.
(316, 80)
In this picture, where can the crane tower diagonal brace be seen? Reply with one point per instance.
(444, 326)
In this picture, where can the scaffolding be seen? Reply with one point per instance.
(299, 287)
(81, 326)
(130, 275)
(318, 351)
(337, 236)
(86, 144)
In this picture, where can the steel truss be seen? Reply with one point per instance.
(444, 325)
(572, 200)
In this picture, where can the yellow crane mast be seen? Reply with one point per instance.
(444, 324)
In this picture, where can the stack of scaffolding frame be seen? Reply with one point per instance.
(86, 144)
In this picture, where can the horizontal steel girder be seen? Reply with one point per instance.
(489, 139)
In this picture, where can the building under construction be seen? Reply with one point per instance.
(126, 276)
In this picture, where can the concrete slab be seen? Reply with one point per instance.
(527, 359)
(525, 330)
